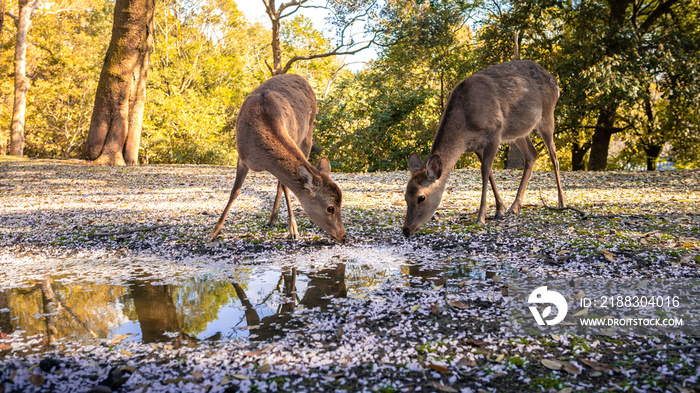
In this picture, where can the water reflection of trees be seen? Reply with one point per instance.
(196, 303)
(6, 325)
(77, 311)
(89, 310)
(72, 311)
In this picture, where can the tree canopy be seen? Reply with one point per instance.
(628, 73)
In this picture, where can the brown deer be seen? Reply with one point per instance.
(502, 103)
(273, 133)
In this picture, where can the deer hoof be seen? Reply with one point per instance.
(498, 216)
(272, 221)
(294, 236)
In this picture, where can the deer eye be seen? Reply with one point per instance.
(421, 199)
(330, 209)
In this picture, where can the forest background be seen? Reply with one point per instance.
(628, 71)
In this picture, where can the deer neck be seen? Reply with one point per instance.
(449, 153)
(286, 171)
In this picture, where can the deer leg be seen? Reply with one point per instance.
(293, 231)
(275, 206)
(496, 195)
(487, 157)
(241, 173)
(546, 131)
(529, 156)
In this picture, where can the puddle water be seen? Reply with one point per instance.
(256, 304)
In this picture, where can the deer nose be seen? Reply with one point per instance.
(406, 232)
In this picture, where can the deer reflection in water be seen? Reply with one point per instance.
(323, 285)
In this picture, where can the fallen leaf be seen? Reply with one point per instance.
(119, 338)
(499, 358)
(265, 368)
(458, 304)
(198, 375)
(551, 364)
(474, 342)
(554, 364)
(259, 351)
(240, 376)
(581, 312)
(597, 366)
(609, 256)
(579, 295)
(414, 308)
(439, 368)
(570, 369)
(444, 388)
(127, 353)
(566, 390)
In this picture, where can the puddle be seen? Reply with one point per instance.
(258, 300)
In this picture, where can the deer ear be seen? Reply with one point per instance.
(324, 166)
(434, 167)
(414, 163)
(306, 178)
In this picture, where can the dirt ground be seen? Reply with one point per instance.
(380, 313)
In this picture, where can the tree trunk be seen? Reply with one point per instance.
(115, 126)
(7, 325)
(48, 302)
(156, 311)
(19, 108)
(578, 153)
(653, 146)
(653, 152)
(274, 15)
(3, 140)
(2, 18)
(600, 144)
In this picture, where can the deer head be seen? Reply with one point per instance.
(423, 192)
(321, 198)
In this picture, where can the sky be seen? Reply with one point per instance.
(254, 10)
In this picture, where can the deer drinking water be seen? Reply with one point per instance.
(273, 133)
(500, 104)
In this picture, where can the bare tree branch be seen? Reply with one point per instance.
(13, 17)
(42, 47)
(293, 3)
(335, 52)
